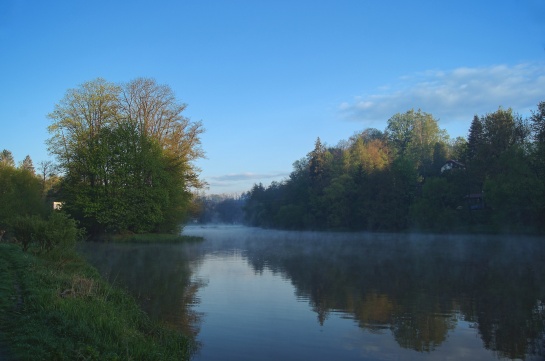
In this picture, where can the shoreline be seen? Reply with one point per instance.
(57, 306)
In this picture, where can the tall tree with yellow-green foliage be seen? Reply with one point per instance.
(127, 155)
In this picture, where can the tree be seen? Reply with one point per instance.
(499, 131)
(156, 112)
(399, 130)
(370, 155)
(20, 194)
(47, 170)
(27, 165)
(229, 210)
(385, 196)
(317, 162)
(79, 117)
(6, 158)
(127, 155)
(130, 189)
(516, 193)
(319, 177)
(538, 131)
(339, 196)
(475, 138)
(414, 135)
(489, 137)
(459, 149)
(436, 209)
(255, 207)
(440, 156)
(538, 123)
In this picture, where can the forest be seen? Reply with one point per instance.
(413, 177)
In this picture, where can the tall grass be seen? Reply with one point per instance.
(56, 306)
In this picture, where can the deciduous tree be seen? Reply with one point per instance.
(79, 117)
(158, 114)
(414, 135)
(127, 154)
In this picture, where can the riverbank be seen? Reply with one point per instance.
(56, 306)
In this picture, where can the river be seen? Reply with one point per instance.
(251, 294)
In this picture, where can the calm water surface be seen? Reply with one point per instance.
(249, 294)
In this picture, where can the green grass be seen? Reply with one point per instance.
(57, 307)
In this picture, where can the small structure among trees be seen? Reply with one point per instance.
(452, 164)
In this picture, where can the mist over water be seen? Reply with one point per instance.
(247, 293)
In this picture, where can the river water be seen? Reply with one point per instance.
(250, 294)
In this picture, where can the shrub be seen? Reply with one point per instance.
(27, 229)
(59, 231)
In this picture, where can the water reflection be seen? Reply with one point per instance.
(418, 288)
(422, 293)
(160, 277)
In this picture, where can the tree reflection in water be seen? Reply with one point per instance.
(159, 276)
(418, 288)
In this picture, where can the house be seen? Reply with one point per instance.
(475, 201)
(57, 205)
(452, 164)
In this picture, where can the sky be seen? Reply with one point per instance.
(267, 78)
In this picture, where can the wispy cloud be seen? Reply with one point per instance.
(235, 177)
(454, 95)
(239, 182)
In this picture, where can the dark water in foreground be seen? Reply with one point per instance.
(250, 294)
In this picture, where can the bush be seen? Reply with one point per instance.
(20, 194)
(27, 229)
(59, 231)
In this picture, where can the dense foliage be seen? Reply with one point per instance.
(395, 179)
(126, 153)
(25, 216)
(20, 193)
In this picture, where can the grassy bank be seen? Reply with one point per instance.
(57, 307)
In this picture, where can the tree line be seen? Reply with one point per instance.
(413, 176)
(220, 208)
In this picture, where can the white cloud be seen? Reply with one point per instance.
(234, 177)
(241, 182)
(454, 95)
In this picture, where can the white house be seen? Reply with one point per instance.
(57, 205)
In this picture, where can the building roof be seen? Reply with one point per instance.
(455, 162)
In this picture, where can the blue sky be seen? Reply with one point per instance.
(267, 78)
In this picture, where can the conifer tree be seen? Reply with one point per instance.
(28, 165)
(475, 138)
(6, 158)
